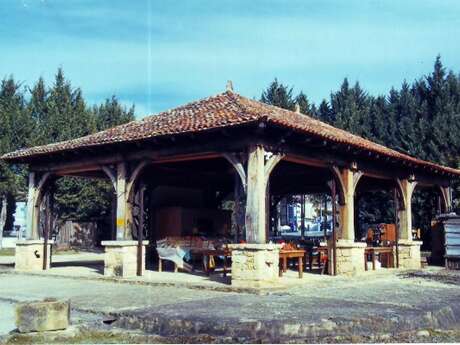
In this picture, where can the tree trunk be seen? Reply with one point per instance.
(3, 209)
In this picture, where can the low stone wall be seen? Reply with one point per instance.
(350, 257)
(120, 259)
(409, 254)
(255, 265)
(29, 255)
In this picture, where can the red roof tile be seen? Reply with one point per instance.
(223, 110)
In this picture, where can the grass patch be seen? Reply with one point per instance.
(7, 252)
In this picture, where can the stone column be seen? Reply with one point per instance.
(350, 254)
(408, 250)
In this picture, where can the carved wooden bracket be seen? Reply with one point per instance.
(238, 164)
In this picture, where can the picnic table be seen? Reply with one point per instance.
(210, 254)
(374, 251)
(291, 254)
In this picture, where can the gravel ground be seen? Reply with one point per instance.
(390, 306)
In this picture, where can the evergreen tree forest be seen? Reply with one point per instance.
(44, 114)
(421, 118)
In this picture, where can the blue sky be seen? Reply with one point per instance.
(162, 53)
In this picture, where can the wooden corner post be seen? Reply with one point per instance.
(260, 166)
(122, 202)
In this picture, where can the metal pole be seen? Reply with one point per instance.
(396, 204)
(334, 235)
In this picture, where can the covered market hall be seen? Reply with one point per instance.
(219, 167)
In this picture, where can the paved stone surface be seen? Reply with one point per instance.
(95, 295)
(6, 317)
(369, 304)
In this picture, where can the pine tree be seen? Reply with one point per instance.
(111, 113)
(38, 110)
(279, 95)
(324, 113)
(304, 104)
(15, 133)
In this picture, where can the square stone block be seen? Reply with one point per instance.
(46, 315)
(120, 258)
(409, 254)
(255, 265)
(29, 255)
(350, 257)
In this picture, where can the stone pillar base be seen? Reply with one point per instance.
(255, 265)
(409, 254)
(350, 257)
(120, 259)
(29, 255)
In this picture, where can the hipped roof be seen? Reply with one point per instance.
(224, 110)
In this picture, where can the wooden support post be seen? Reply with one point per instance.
(396, 205)
(256, 198)
(122, 202)
(35, 193)
(140, 233)
(325, 218)
(302, 215)
(258, 174)
(46, 231)
(405, 213)
(334, 232)
(32, 214)
(446, 194)
(347, 213)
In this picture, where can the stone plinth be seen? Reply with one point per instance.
(350, 257)
(409, 254)
(255, 265)
(120, 259)
(47, 315)
(29, 255)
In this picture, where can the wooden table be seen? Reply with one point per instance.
(388, 251)
(291, 254)
(210, 253)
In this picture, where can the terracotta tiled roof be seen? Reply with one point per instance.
(223, 110)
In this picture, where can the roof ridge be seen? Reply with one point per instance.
(168, 111)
